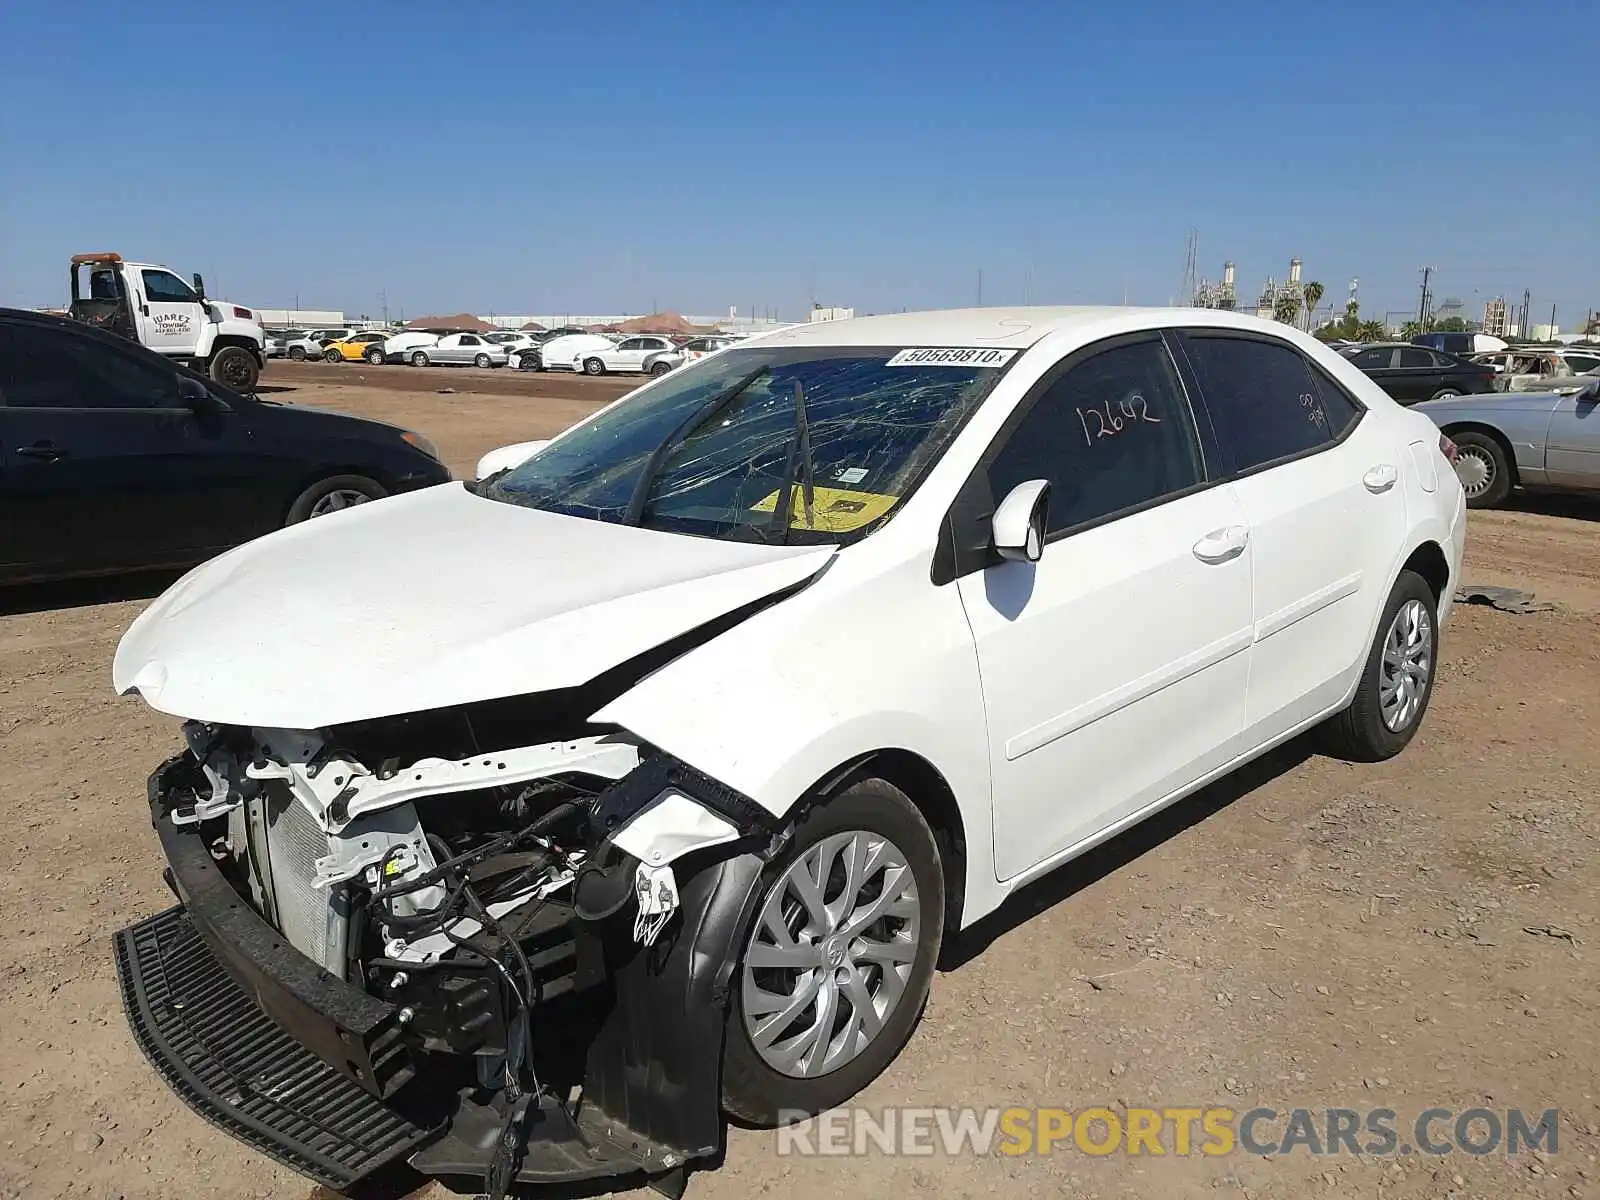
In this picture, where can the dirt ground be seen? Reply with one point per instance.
(1308, 933)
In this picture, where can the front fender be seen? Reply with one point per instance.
(861, 661)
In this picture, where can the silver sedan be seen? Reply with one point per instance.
(1523, 439)
(459, 349)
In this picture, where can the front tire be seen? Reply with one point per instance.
(593, 366)
(1483, 469)
(332, 494)
(235, 367)
(1396, 681)
(839, 958)
(297, 354)
(419, 359)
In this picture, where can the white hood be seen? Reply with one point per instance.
(427, 600)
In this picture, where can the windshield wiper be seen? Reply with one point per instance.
(639, 502)
(799, 460)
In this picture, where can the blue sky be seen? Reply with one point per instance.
(598, 158)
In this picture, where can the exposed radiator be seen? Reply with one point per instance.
(316, 921)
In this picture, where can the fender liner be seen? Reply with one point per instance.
(654, 1071)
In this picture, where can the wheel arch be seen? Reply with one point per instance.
(927, 788)
(1428, 560)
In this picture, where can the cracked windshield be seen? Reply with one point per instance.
(710, 450)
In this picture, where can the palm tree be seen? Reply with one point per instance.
(1286, 308)
(1371, 331)
(1313, 293)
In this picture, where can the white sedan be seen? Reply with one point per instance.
(757, 684)
(648, 354)
(458, 349)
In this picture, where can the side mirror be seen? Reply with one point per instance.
(199, 286)
(194, 395)
(1020, 521)
(508, 456)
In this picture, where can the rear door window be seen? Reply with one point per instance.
(1265, 403)
(1415, 356)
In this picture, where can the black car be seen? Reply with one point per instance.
(113, 458)
(1412, 374)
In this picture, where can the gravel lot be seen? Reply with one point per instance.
(1307, 933)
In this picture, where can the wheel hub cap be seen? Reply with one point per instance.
(830, 955)
(1407, 663)
(1475, 472)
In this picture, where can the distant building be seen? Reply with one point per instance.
(819, 313)
(301, 318)
(1545, 333)
(1497, 317)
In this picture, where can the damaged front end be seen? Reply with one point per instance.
(423, 938)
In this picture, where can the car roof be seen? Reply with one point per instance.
(1015, 328)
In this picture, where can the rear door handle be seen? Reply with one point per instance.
(43, 450)
(1381, 477)
(1222, 545)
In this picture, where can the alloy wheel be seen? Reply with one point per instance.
(338, 499)
(830, 954)
(1407, 663)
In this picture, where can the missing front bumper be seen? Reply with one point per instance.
(317, 1074)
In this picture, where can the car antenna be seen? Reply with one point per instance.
(799, 457)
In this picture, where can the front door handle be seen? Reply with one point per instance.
(1381, 477)
(43, 450)
(1222, 545)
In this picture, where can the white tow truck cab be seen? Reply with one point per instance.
(148, 303)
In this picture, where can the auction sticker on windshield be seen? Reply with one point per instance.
(951, 356)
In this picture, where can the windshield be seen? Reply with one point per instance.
(874, 423)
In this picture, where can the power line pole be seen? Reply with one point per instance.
(1422, 305)
(980, 287)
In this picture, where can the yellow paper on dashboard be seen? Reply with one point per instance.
(834, 510)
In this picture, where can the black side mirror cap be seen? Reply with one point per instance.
(199, 286)
(193, 394)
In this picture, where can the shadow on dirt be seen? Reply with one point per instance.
(1117, 853)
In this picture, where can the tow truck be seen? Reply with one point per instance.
(148, 303)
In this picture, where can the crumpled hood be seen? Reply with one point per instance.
(421, 601)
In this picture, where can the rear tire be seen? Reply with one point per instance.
(1386, 711)
(593, 366)
(375, 356)
(332, 356)
(1445, 393)
(322, 495)
(660, 368)
(235, 367)
(1484, 470)
(481, 360)
(753, 1090)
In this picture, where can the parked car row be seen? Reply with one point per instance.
(564, 349)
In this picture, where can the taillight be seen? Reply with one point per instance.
(1449, 450)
